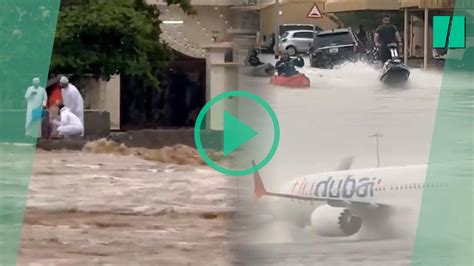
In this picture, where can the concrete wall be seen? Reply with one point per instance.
(103, 96)
(97, 124)
(149, 138)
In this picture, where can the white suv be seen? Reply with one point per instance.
(297, 41)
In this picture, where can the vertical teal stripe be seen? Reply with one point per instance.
(445, 226)
(26, 39)
(441, 28)
(457, 38)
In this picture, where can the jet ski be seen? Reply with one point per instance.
(296, 81)
(394, 71)
(258, 68)
(263, 70)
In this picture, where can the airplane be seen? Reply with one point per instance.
(347, 202)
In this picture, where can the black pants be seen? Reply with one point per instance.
(384, 54)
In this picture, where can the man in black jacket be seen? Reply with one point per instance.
(385, 34)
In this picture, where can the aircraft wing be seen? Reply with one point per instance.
(260, 191)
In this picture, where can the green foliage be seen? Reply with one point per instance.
(104, 37)
(26, 36)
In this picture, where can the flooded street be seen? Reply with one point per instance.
(88, 209)
(319, 127)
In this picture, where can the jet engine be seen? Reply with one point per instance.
(335, 222)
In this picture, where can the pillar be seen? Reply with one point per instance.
(276, 10)
(405, 36)
(425, 40)
(221, 76)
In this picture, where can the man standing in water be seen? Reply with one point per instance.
(385, 34)
(72, 99)
(36, 98)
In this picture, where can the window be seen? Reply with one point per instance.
(303, 35)
(289, 27)
(339, 38)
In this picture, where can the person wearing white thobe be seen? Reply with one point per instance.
(70, 125)
(36, 98)
(72, 98)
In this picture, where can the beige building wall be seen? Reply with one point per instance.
(104, 96)
(214, 19)
(196, 31)
(295, 13)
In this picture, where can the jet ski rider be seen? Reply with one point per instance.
(385, 34)
(286, 65)
(253, 59)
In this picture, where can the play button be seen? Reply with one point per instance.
(249, 128)
(236, 133)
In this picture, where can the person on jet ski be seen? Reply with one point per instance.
(286, 65)
(253, 59)
(385, 34)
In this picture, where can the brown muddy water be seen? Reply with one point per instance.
(106, 209)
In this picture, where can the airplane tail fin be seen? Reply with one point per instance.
(345, 164)
(260, 190)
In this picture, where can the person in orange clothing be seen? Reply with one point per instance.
(55, 96)
(54, 100)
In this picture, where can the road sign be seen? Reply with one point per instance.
(314, 12)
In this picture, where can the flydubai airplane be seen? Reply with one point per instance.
(346, 202)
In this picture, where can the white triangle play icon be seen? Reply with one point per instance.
(314, 12)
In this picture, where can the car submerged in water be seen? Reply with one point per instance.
(333, 47)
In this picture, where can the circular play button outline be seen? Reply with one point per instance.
(202, 115)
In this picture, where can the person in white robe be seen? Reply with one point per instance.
(72, 98)
(36, 98)
(70, 125)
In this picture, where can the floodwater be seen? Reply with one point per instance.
(105, 209)
(96, 209)
(320, 126)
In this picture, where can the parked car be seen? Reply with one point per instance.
(333, 47)
(291, 27)
(267, 41)
(297, 41)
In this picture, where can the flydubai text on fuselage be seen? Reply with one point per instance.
(342, 203)
(377, 185)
